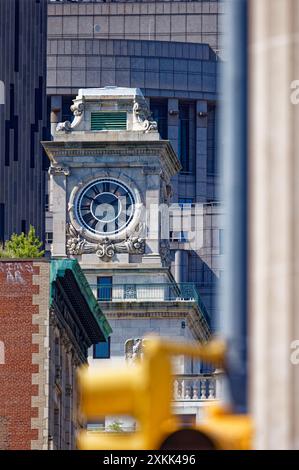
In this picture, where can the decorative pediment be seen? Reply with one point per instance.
(105, 249)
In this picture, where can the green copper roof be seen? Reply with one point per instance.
(58, 269)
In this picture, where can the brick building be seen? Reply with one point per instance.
(48, 320)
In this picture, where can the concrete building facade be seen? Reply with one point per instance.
(111, 177)
(97, 44)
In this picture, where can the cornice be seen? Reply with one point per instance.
(155, 310)
(56, 150)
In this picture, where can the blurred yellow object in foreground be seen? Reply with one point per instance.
(144, 391)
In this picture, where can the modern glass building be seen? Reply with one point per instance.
(23, 116)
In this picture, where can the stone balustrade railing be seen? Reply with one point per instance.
(197, 387)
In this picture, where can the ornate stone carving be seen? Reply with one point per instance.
(165, 252)
(59, 170)
(133, 350)
(130, 291)
(143, 116)
(105, 249)
(67, 126)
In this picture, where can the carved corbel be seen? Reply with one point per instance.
(59, 170)
(143, 116)
(78, 112)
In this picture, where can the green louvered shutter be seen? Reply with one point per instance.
(106, 121)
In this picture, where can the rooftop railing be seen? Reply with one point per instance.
(155, 292)
(127, 1)
(197, 387)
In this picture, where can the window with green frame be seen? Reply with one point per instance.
(108, 121)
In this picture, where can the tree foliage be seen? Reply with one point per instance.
(116, 426)
(23, 246)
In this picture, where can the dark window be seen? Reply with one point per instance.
(17, 35)
(104, 285)
(185, 201)
(102, 350)
(159, 109)
(187, 131)
(66, 113)
(221, 241)
(49, 237)
(2, 219)
(212, 166)
(46, 202)
(23, 226)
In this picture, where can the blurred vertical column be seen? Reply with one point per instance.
(201, 149)
(274, 222)
(233, 319)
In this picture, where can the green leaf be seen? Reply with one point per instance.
(23, 246)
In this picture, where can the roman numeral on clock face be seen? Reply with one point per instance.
(106, 187)
(93, 223)
(88, 218)
(106, 207)
(95, 189)
(85, 207)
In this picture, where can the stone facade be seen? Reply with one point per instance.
(38, 408)
(95, 44)
(88, 166)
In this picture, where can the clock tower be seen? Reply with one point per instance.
(110, 190)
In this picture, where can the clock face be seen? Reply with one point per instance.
(105, 207)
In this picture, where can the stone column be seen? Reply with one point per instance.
(201, 150)
(152, 196)
(173, 136)
(58, 181)
(274, 222)
(181, 266)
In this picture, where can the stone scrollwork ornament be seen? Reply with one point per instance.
(67, 126)
(143, 117)
(105, 249)
(75, 244)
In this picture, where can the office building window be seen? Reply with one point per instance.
(104, 288)
(49, 237)
(185, 201)
(221, 241)
(159, 109)
(2, 219)
(212, 165)
(102, 350)
(66, 113)
(46, 202)
(187, 133)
